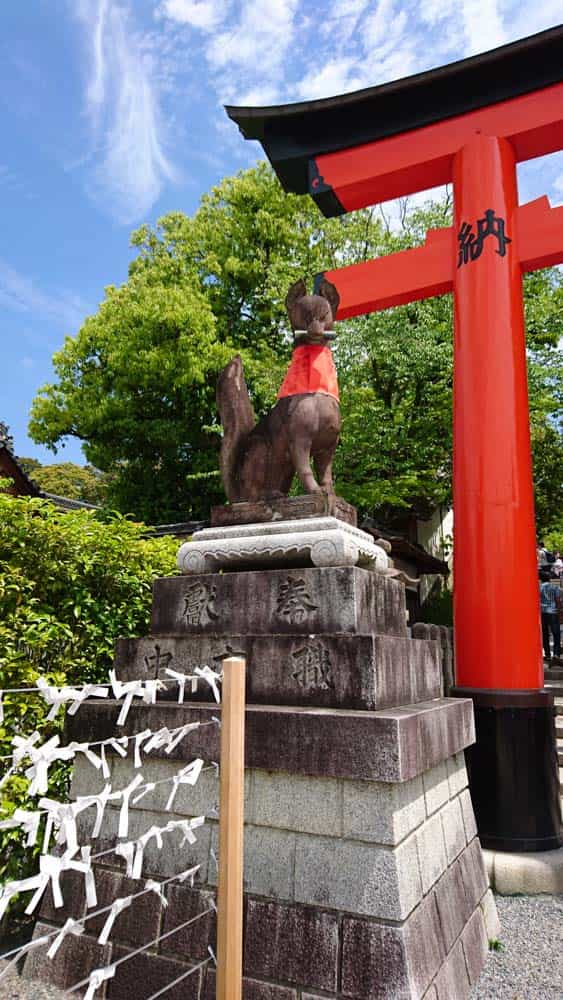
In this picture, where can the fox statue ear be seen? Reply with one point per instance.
(296, 292)
(328, 292)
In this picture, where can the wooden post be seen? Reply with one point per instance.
(231, 832)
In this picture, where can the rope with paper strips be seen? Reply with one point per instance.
(61, 817)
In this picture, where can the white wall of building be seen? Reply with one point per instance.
(436, 535)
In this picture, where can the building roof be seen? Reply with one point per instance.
(25, 486)
(181, 529)
(66, 503)
(293, 134)
(413, 552)
(10, 466)
(409, 551)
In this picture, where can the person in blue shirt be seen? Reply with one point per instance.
(550, 603)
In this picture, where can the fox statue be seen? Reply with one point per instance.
(259, 460)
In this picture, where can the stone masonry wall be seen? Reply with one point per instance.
(353, 889)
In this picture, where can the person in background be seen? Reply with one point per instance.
(558, 564)
(541, 552)
(550, 603)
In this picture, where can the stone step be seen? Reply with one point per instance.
(332, 671)
(288, 601)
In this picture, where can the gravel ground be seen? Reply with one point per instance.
(530, 967)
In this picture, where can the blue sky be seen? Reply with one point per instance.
(111, 115)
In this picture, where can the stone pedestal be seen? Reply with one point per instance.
(320, 541)
(284, 509)
(363, 874)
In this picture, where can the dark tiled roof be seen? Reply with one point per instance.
(411, 551)
(65, 503)
(180, 529)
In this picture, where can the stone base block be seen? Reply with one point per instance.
(284, 509)
(529, 874)
(74, 961)
(305, 601)
(340, 671)
(353, 890)
(320, 541)
(388, 745)
(136, 978)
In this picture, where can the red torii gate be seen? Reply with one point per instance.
(469, 124)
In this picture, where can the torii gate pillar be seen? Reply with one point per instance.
(468, 123)
(498, 644)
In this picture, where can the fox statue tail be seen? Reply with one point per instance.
(237, 419)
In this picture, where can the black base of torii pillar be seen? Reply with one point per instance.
(513, 770)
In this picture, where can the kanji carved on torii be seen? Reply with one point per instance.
(468, 124)
(430, 269)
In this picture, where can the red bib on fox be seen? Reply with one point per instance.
(311, 370)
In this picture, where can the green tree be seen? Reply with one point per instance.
(545, 371)
(29, 465)
(76, 482)
(137, 384)
(70, 585)
(395, 378)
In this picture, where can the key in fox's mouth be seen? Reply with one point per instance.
(325, 335)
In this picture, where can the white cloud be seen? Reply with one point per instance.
(543, 175)
(260, 38)
(258, 97)
(383, 25)
(385, 51)
(526, 19)
(258, 53)
(388, 43)
(97, 85)
(21, 294)
(202, 14)
(342, 18)
(483, 25)
(129, 165)
(348, 8)
(246, 44)
(337, 77)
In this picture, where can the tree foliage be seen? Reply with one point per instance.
(137, 383)
(66, 479)
(29, 465)
(70, 585)
(545, 370)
